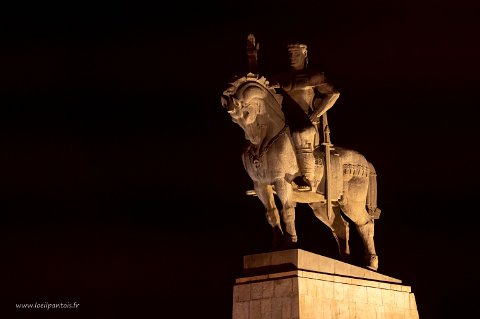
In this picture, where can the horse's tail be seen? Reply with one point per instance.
(372, 208)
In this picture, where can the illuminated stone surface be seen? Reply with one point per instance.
(290, 159)
(302, 259)
(317, 287)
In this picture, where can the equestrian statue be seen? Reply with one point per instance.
(288, 153)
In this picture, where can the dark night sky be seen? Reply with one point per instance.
(121, 183)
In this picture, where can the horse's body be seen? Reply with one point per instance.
(270, 161)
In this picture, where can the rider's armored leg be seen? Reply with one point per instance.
(304, 142)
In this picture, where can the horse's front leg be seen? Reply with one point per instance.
(284, 192)
(265, 194)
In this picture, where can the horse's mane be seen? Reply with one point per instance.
(273, 100)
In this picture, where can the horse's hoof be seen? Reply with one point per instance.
(372, 262)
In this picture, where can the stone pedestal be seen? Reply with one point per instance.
(299, 284)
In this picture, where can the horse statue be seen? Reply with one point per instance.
(269, 159)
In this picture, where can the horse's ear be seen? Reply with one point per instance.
(224, 100)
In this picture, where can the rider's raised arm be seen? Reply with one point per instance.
(325, 96)
(252, 54)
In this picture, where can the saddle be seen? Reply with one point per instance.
(336, 173)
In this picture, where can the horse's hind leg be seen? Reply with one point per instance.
(337, 224)
(265, 194)
(366, 232)
(364, 223)
(354, 206)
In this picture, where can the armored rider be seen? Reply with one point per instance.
(306, 96)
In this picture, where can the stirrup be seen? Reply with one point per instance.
(302, 184)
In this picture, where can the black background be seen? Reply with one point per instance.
(122, 187)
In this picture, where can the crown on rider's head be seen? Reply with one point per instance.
(297, 46)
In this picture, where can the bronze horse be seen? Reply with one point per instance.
(269, 159)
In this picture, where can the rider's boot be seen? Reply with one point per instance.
(303, 142)
(306, 163)
(302, 184)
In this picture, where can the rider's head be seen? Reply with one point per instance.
(298, 56)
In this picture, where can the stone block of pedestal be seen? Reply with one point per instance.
(298, 284)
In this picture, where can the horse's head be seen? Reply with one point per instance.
(246, 102)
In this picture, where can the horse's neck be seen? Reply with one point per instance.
(274, 127)
(274, 120)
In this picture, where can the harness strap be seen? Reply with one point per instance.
(270, 143)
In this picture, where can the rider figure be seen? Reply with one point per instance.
(306, 96)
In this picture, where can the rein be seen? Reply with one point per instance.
(256, 158)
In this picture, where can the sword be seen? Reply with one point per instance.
(328, 167)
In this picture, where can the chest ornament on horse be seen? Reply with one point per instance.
(255, 157)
